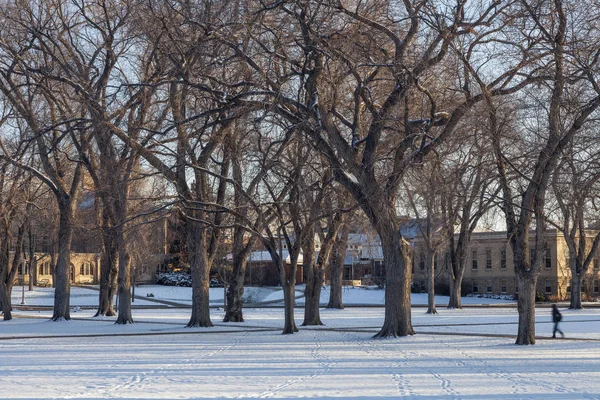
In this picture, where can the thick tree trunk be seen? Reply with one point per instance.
(526, 307)
(397, 256)
(108, 271)
(312, 296)
(455, 283)
(235, 291)
(63, 262)
(200, 270)
(5, 303)
(124, 280)
(576, 283)
(314, 281)
(337, 270)
(431, 285)
(455, 294)
(289, 302)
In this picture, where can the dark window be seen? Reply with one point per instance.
(489, 287)
(503, 288)
(474, 260)
(548, 259)
(503, 258)
(548, 287)
(475, 287)
(532, 256)
(596, 286)
(20, 269)
(421, 262)
(488, 259)
(82, 269)
(41, 269)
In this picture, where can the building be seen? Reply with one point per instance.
(490, 268)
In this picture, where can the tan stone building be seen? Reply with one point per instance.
(490, 268)
(85, 269)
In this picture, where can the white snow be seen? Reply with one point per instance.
(457, 354)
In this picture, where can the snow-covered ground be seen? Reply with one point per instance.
(457, 354)
(86, 297)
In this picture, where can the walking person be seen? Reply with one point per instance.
(556, 318)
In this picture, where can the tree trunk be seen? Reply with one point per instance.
(314, 282)
(337, 270)
(124, 280)
(108, 271)
(457, 269)
(576, 283)
(63, 262)
(431, 285)
(455, 294)
(312, 295)
(397, 256)
(288, 301)
(235, 291)
(526, 307)
(200, 270)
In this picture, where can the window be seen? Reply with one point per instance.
(532, 256)
(503, 286)
(489, 287)
(596, 286)
(548, 259)
(91, 269)
(503, 258)
(568, 288)
(475, 287)
(596, 263)
(548, 287)
(488, 259)
(421, 262)
(41, 269)
(474, 260)
(82, 269)
(20, 269)
(583, 284)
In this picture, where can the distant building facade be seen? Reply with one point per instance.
(490, 267)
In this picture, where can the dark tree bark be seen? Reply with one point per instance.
(316, 276)
(430, 266)
(62, 290)
(200, 270)
(336, 266)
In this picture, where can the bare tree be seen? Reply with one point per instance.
(575, 186)
(556, 30)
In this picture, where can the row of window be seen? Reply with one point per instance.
(547, 287)
(488, 259)
(44, 269)
(489, 287)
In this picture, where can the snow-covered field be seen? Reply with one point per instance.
(457, 354)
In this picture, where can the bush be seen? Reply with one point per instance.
(540, 297)
(174, 279)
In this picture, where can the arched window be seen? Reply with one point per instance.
(82, 269)
(41, 269)
(91, 269)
